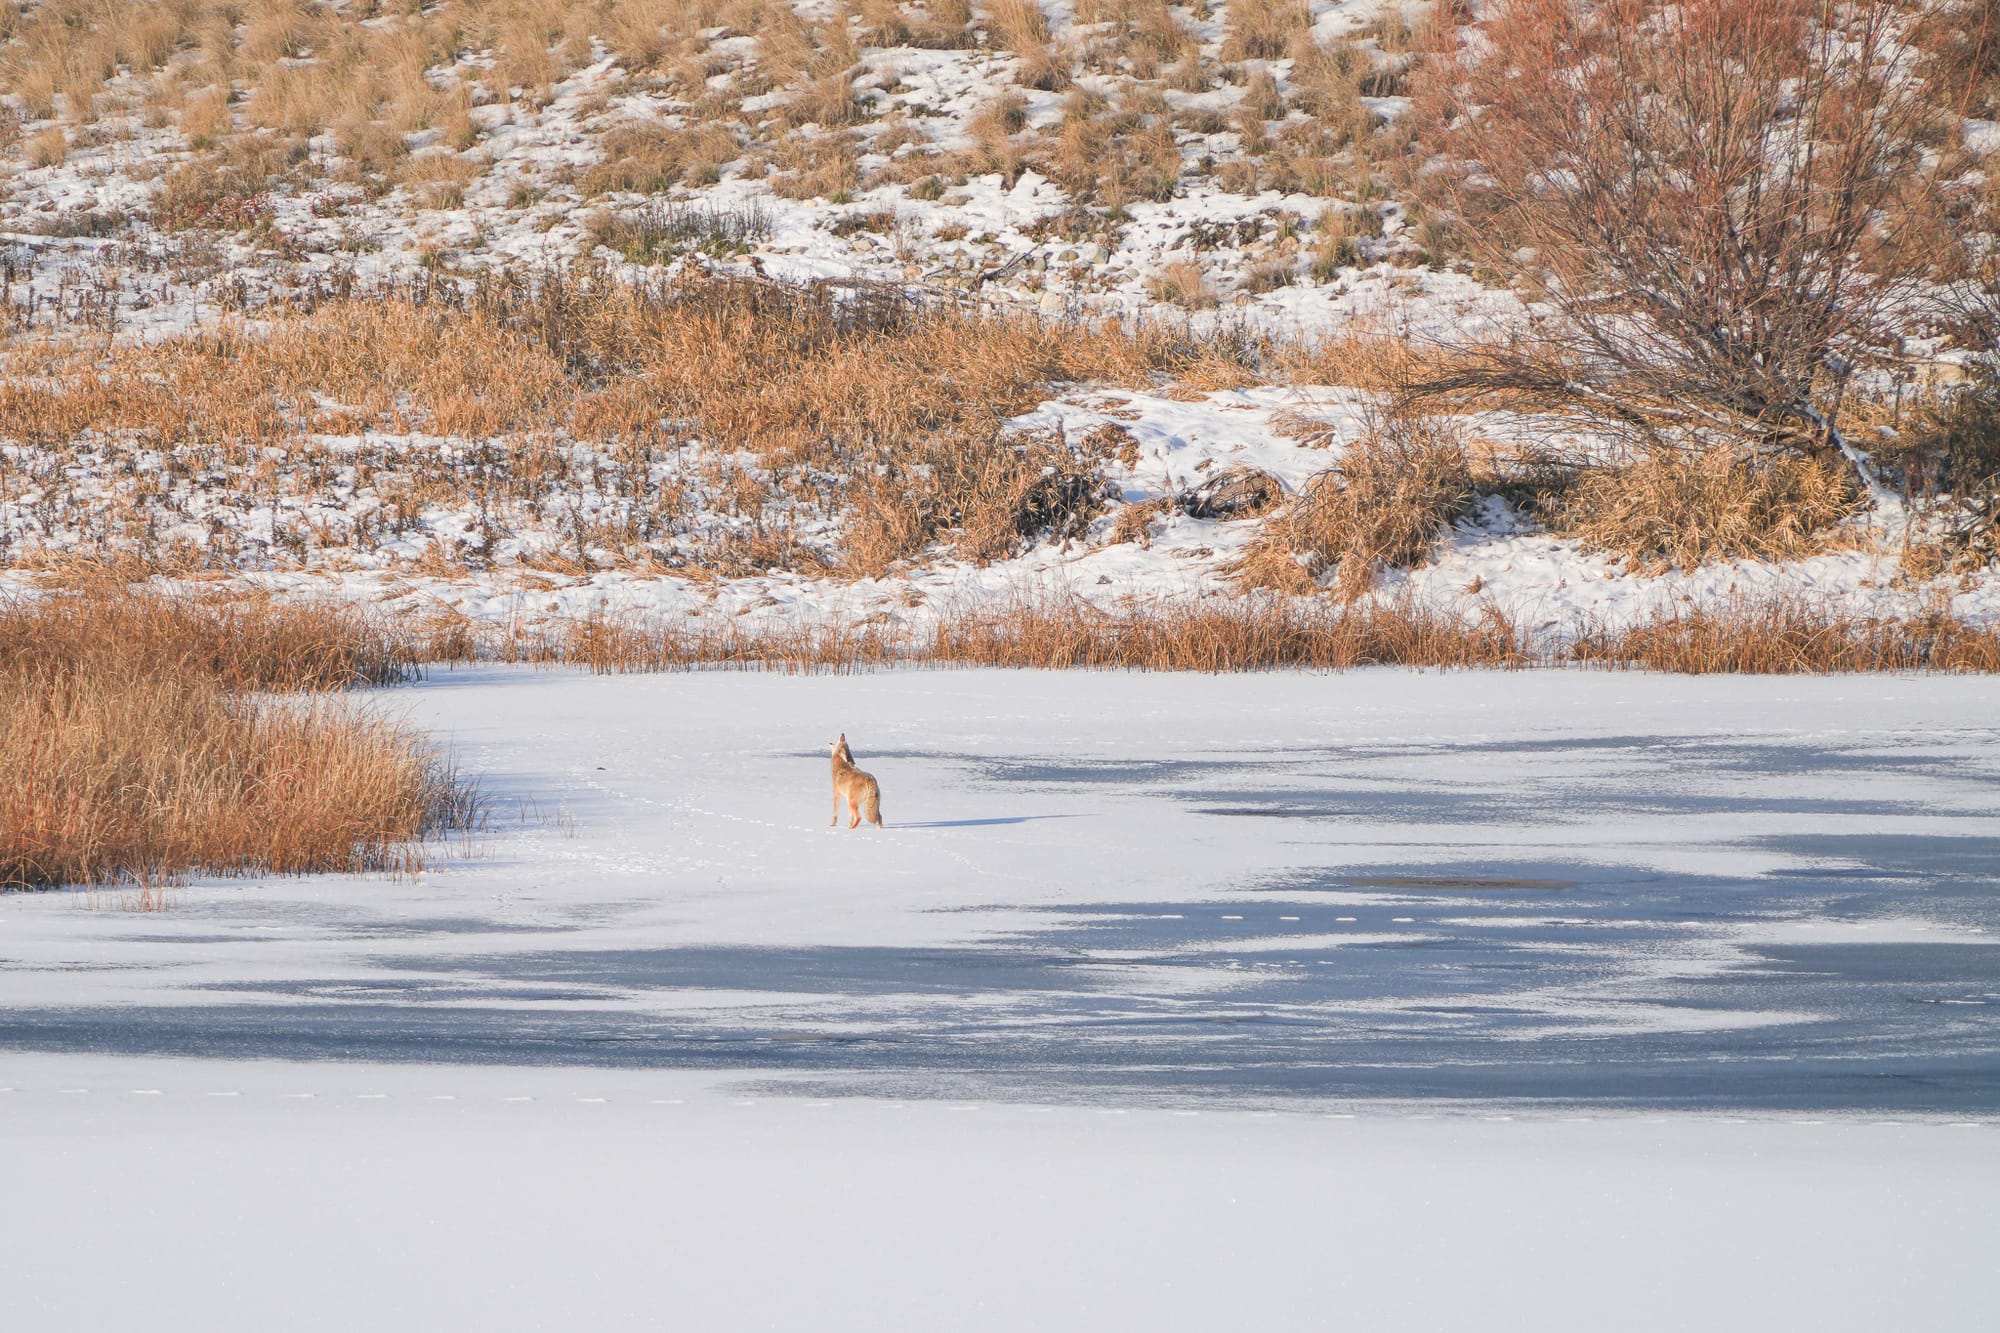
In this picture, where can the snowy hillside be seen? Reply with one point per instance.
(994, 160)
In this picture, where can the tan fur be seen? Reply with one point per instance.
(860, 790)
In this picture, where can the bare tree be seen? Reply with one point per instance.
(1715, 195)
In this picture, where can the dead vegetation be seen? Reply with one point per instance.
(139, 742)
(1058, 631)
(1790, 636)
(781, 409)
(1680, 510)
(1721, 203)
(724, 426)
(1946, 460)
(1388, 501)
(415, 92)
(987, 497)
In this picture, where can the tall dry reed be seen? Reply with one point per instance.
(135, 744)
(1056, 631)
(1789, 636)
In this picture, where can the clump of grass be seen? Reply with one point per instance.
(1680, 509)
(1183, 283)
(650, 159)
(48, 148)
(225, 190)
(1947, 459)
(663, 230)
(987, 495)
(1264, 29)
(1114, 156)
(1022, 28)
(132, 746)
(1386, 503)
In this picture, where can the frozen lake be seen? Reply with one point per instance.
(1578, 889)
(1535, 1001)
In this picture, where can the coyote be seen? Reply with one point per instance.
(863, 796)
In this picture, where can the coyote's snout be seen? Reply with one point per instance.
(858, 789)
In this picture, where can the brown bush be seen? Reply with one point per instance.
(1947, 459)
(1720, 201)
(1682, 509)
(1388, 501)
(986, 496)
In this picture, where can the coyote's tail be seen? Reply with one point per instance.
(871, 805)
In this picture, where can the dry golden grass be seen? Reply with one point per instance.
(1362, 356)
(649, 159)
(813, 164)
(617, 645)
(1246, 634)
(133, 749)
(1390, 499)
(1021, 27)
(985, 495)
(1789, 636)
(1113, 155)
(243, 644)
(862, 386)
(1264, 29)
(1674, 509)
(1326, 82)
(1183, 283)
(374, 75)
(865, 406)
(48, 147)
(205, 117)
(1782, 635)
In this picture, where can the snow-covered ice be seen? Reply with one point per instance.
(1557, 999)
(1578, 886)
(322, 1197)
